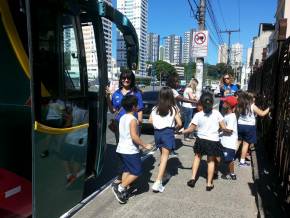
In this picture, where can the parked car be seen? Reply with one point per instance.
(141, 86)
(150, 99)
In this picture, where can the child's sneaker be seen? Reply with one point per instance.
(246, 164)
(158, 187)
(229, 177)
(122, 197)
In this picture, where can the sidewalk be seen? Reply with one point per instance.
(227, 199)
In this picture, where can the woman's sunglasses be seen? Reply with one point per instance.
(125, 77)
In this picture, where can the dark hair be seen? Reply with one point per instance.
(127, 73)
(166, 101)
(244, 104)
(128, 102)
(206, 100)
(171, 80)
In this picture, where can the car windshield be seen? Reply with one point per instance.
(150, 96)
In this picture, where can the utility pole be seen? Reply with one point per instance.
(200, 60)
(229, 32)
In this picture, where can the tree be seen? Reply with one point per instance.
(223, 68)
(189, 71)
(164, 69)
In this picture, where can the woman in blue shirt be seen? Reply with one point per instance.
(126, 87)
(227, 88)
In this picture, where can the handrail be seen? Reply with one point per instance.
(57, 131)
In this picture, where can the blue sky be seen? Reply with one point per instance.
(167, 17)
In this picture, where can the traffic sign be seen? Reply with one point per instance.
(200, 44)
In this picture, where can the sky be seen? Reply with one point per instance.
(167, 17)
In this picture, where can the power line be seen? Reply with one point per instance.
(221, 12)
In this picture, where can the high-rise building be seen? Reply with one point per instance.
(223, 53)
(173, 47)
(161, 52)
(137, 13)
(153, 41)
(90, 47)
(236, 54)
(187, 46)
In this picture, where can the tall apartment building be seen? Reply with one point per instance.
(187, 46)
(173, 49)
(137, 13)
(236, 54)
(161, 53)
(223, 53)
(90, 47)
(153, 42)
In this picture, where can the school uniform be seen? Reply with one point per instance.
(247, 127)
(229, 141)
(164, 129)
(129, 152)
(207, 141)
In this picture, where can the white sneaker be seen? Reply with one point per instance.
(158, 187)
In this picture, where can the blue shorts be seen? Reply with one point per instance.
(229, 154)
(247, 133)
(164, 138)
(131, 163)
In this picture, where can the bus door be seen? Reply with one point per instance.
(60, 105)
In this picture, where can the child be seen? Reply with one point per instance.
(128, 148)
(229, 140)
(163, 118)
(246, 111)
(207, 122)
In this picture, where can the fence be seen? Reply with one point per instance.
(271, 82)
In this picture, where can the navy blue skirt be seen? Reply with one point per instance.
(164, 138)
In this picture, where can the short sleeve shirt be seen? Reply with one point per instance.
(175, 93)
(232, 88)
(230, 141)
(207, 124)
(167, 121)
(117, 99)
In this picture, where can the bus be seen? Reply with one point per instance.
(52, 118)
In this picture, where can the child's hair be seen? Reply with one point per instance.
(244, 104)
(128, 102)
(192, 84)
(171, 80)
(206, 101)
(166, 101)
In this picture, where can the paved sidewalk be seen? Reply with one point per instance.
(227, 199)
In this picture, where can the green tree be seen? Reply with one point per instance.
(189, 71)
(223, 69)
(164, 69)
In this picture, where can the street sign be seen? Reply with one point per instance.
(200, 44)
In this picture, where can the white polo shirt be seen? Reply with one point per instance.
(208, 124)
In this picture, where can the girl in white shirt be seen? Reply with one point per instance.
(164, 117)
(246, 111)
(207, 122)
(189, 109)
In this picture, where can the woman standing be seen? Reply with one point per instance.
(127, 86)
(189, 109)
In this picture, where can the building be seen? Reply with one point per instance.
(223, 54)
(261, 41)
(282, 16)
(161, 53)
(173, 49)
(137, 13)
(153, 42)
(187, 46)
(90, 47)
(236, 54)
(179, 71)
